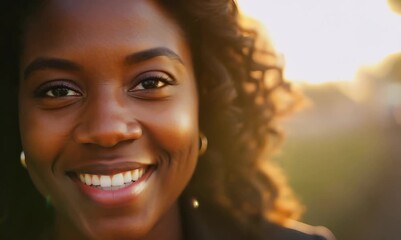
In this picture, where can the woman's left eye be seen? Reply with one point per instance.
(150, 81)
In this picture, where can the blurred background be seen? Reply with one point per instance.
(342, 154)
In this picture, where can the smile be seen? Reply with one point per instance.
(112, 182)
(113, 187)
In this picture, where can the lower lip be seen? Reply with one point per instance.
(118, 197)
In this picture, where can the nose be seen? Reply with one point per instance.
(106, 122)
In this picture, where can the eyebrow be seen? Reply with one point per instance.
(46, 63)
(63, 64)
(152, 53)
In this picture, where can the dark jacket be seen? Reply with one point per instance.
(209, 223)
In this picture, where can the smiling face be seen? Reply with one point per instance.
(108, 115)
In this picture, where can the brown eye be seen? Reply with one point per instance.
(61, 92)
(150, 80)
(58, 89)
(151, 83)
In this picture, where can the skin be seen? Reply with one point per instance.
(104, 111)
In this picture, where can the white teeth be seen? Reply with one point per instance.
(141, 171)
(95, 180)
(135, 175)
(82, 177)
(127, 177)
(105, 181)
(88, 179)
(117, 180)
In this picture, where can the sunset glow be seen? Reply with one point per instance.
(328, 40)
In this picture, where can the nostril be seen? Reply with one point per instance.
(111, 140)
(108, 136)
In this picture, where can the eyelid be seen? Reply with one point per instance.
(159, 75)
(62, 83)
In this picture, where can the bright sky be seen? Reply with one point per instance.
(328, 40)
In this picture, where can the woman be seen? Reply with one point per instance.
(117, 100)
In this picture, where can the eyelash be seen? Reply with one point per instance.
(164, 78)
(43, 90)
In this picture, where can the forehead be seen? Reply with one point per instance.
(73, 23)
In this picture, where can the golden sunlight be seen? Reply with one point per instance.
(325, 41)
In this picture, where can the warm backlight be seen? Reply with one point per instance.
(328, 40)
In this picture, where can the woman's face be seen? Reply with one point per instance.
(108, 113)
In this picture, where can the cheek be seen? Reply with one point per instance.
(176, 130)
(177, 135)
(42, 135)
(43, 131)
(42, 139)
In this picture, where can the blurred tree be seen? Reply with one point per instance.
(396, 69)
(393, 65)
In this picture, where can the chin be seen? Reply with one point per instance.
(106, 227)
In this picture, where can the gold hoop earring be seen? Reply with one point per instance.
(202, 143)
(194, 203)
(22, 159)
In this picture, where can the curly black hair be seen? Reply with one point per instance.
(242, 94)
